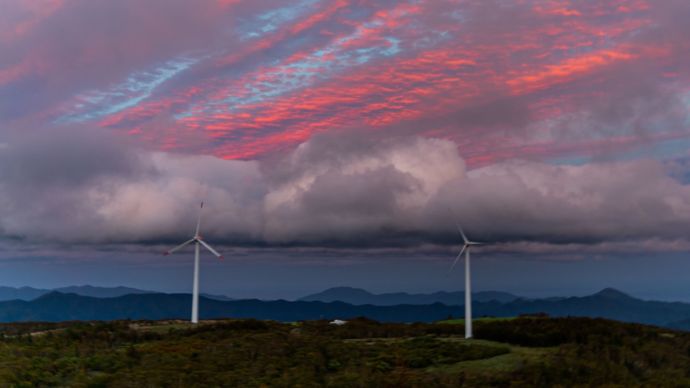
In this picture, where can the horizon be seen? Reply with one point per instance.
(296, 296)
(61, 289)
(341, 142)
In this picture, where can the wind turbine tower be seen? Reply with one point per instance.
(198, 241)
(468, 279)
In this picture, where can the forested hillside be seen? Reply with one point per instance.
(249, 353)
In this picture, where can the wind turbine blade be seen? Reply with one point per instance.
(464, 238)
(457, 258)
(177, 248)
(202, 242)
(198, 222)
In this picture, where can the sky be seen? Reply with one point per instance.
(340, 142)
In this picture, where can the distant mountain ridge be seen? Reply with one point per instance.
(21, 293)
(358, 296)
(608, 303)
(101, 292)
(30, 293)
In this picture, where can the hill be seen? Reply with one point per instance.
(608, 303)
(358, 296)
(30, 293)
(101, 292)
(55, 306)
(21, 293)
(522, 352)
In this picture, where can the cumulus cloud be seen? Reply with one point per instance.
(565, 204)
(85, 186)
(88, 187)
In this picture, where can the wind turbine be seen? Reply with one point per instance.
(468, 286)
(197, 242)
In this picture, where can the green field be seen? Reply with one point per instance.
(507, 352)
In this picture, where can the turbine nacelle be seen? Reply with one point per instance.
(195, 240)
(465, 246)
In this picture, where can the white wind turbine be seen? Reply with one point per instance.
(197, 241)
(468, 286)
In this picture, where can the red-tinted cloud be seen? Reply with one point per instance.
(241, 81)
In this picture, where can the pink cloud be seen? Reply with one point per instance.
(499, 79)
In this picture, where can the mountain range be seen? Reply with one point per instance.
(358, 296)
(355, 296)
(608, 303)
(30, 293)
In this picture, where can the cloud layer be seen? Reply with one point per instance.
(346, 124)
(330, 192)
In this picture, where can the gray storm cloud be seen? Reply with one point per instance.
(87, 187)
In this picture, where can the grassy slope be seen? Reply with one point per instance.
(516, 358)
(519, 352)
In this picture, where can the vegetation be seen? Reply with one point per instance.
(362, 353)
(480, 319)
